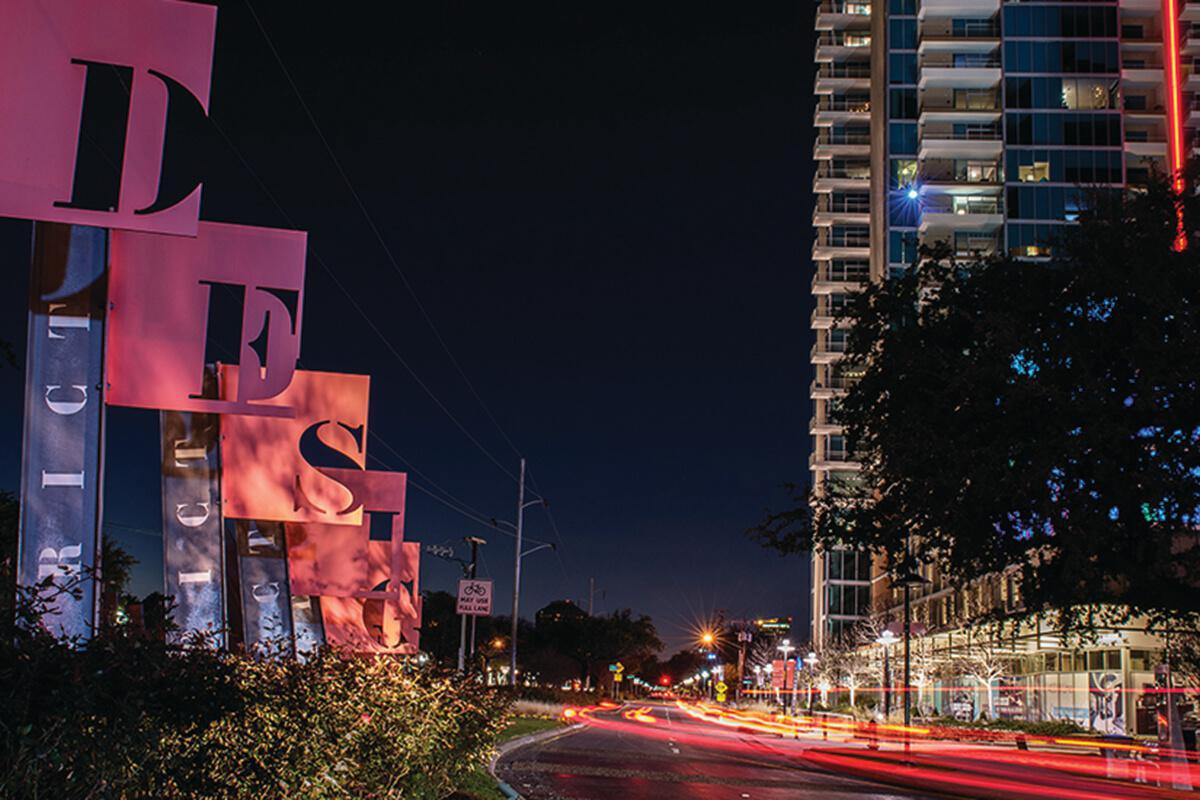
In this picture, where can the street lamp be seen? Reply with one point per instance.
(907, 579)
(522, 504)
(786, 648)
(811, 661)
(887, 639)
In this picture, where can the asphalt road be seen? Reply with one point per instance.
(673, 756)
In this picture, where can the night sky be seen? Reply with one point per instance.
(605, 211)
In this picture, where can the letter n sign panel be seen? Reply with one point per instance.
(99, 102)
(60, 470)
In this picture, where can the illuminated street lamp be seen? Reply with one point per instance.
(811, 661)
(787, 648)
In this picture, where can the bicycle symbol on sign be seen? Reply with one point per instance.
(475, 589)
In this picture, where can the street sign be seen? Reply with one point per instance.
(618, 677)
(720, 697)
(617, 667)
(475, 598)
(722, 688)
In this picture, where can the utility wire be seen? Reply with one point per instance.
(387, 250)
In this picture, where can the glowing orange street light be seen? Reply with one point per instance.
(707, 638)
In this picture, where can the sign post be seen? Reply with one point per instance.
(63, 453)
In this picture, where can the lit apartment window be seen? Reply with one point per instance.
(1035, 172)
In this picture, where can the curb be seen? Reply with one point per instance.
(522, 741)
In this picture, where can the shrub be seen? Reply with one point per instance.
(134, 718)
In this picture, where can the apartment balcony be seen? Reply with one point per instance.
(826, 214)
(843, 76)
(827, 349)
(959, 35)
(834, 109)
(1139, 74)
(965, 245)
(944, 215)
(836, 459)
(940, 176)
(840, 45)
(828, 178)
(838, 15)
(831, 143)
(961, 141)
(945, 105)
(825, 314)
(828, 279)
(933, 9)
(819, 389)
(820, 427)
(960, 73)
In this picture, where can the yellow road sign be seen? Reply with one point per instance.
(722, 688)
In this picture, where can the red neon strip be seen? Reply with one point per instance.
(1174, 107)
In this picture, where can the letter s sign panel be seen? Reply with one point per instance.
(271, 466)
(87, 86)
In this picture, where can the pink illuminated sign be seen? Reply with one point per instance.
(266, 472)
(86, 86)
(162, 293)
(342, 560)
(379, 626)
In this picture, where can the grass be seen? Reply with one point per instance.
(523, 726)
(479, 784)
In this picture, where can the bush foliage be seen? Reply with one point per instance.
(130, 717)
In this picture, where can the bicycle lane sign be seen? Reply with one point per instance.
(475, 598)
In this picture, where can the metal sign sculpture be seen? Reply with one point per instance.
(367, 587)
(193, 539)
(372, 625)
(86, 87)
(163, 295)
(64, 415)
(266, 606)
(267, 474)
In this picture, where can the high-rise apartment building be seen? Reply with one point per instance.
(975, 123)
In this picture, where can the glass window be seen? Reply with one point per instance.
(1095, 660)
(902, 68)
(1140, 660)
(1037, 171)
(902, 35)
(1112, 659)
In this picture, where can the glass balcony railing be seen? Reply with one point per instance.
(842, 273)
(964, 133)
(844, 39)
(961, 29)
(944, 204)
(854, 172)
(843, 137)
(936, 171)
(854, 104)
(850, 7)
(845, 69)
(960, 61)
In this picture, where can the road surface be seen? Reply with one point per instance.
(703, 752)
(674, 756)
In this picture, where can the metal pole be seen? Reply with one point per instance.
(474, 561)
(907, 660)
(516, 609)
(887, 687)
(591, 594)
(462, 641)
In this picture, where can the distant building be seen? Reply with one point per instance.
(557, 612)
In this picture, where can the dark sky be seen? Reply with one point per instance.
(603, 208)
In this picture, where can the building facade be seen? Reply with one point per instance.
(974, 123)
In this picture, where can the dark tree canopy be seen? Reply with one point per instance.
(1044, 415)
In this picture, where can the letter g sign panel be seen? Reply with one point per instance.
(86, 86)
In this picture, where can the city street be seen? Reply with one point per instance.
(658, 751)
(673, 756)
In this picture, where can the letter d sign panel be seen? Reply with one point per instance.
(94, 99)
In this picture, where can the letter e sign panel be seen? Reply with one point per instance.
(97, 103)
(270, 465)
(164, 296)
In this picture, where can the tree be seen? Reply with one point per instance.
(1038, 415)
(981, 663)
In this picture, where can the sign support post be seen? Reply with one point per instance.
(63, 451)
